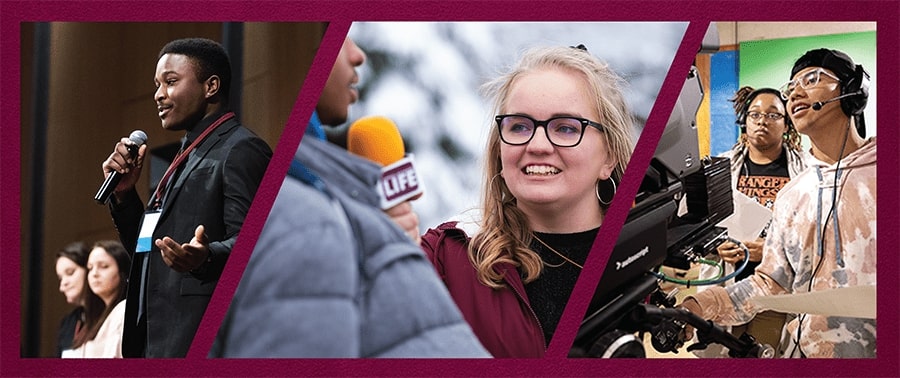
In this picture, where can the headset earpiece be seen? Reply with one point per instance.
(854, 105)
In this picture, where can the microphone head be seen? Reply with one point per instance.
(376, 138)
(817, 105)
(139, 137)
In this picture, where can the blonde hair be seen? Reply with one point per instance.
(505, 232)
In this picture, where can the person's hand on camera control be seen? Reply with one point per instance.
(693, 306)
(756, 248)
(734, 254)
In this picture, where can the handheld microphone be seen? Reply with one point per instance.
(819, 104)
(138, 138)
(377, 138)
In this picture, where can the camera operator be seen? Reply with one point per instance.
(822, 234)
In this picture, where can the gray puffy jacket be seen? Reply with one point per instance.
(332, 276)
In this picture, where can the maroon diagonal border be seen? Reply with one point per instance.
(339, 15)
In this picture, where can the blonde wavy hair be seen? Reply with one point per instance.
(505, 233)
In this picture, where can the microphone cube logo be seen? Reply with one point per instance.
(399, 182)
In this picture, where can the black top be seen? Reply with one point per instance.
(762, 183)
(215, 188)
(66, 334)
(549, 293)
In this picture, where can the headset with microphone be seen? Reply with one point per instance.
(741, 119)
(819, 104)
(853, 98)
(854, 93)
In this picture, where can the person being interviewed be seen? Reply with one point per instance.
(198, 206)
(559, 143)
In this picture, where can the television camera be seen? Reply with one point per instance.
(659, 232)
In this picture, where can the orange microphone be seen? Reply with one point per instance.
(378, 139)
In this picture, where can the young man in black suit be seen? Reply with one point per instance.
(183, 237)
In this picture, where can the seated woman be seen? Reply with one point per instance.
(71, 262)
(101, 336)
(559, 142)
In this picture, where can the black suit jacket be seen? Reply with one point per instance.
(215, 188)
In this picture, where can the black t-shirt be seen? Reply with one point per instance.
(762, 183)
(549, 293)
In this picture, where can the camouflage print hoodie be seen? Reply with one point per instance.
(800, 255)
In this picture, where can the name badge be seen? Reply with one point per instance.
(145, 237)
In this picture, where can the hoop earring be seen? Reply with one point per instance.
(497, 187)
(499, 174)
(597, 190)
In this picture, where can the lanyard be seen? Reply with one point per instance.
(157, 203)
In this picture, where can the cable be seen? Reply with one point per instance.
(834, 198)
(711, 281)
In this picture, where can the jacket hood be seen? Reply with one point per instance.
(865, 155)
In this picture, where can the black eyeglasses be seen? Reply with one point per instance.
(517, 130)
(756, 116)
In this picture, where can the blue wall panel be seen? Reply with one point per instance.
(723, 85)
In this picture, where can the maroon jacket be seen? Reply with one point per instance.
(502, 319)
